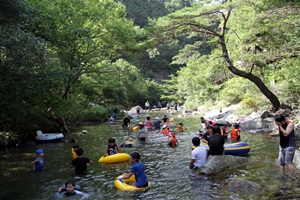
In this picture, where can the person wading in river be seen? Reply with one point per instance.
(287, 144)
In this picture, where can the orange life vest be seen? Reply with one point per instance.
(173, 140)
(166, 131)
(234, 133)
(180, 128)
(224, 132)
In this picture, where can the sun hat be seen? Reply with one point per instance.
(39, 151)
(141, 123)
(129, 141)
(156, 117)
(165, 126)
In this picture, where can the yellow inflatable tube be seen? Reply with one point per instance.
(121, 184)
(135, 128)
(171, 120)
(119, 157)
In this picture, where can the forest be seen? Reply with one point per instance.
(67, 61)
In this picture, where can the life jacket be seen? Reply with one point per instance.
(180, 128)
(166, 131)
(173, 140)
(235, 133)
(224, 132)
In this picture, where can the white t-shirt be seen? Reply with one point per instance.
(199, 154)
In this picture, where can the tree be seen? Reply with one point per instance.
(27, 74)
(84, 35)
(214, 22)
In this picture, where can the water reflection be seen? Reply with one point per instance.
(167, 168)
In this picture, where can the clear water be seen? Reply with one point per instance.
(166, 168)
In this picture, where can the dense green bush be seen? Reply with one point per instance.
(91, 113)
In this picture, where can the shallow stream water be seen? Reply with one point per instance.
(166, 168)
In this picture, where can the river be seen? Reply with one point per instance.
(166, 168)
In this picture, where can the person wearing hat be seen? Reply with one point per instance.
(138, 170)
(128, 143)
(142, 133)
(38, 162)
(157, 123)
(165, 130)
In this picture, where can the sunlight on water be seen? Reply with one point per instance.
(166, 167)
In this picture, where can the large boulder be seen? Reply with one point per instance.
(259, 125)
(217, 164)
(285, 112)
(252, 124)
(296, 159)
(240, 185)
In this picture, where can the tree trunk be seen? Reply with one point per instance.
(254, 79)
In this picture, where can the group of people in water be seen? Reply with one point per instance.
(210, 133)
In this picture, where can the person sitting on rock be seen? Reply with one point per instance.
(216, 142)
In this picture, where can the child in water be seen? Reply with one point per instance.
(172, 140)
(80, 163)
(165, 130)
(70, 190)
(148, 124)
(180, 127)
(138, 170)
(38, 162)
(128, 143)
(73, 151)
(199, 154)
(112, 148)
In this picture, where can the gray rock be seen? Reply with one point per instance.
(285, 112)
(217, 164)
(296, 159)
(265, 114)
(259, 125)
(253, 124)
(240, 185)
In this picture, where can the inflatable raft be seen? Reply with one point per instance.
(48, 137)
(119, 157)
(121, 184)
(238, 148)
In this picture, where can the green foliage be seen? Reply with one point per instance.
(58, 58)
(91, 113)
(258, 37)
(287, 80)
(253, 102)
